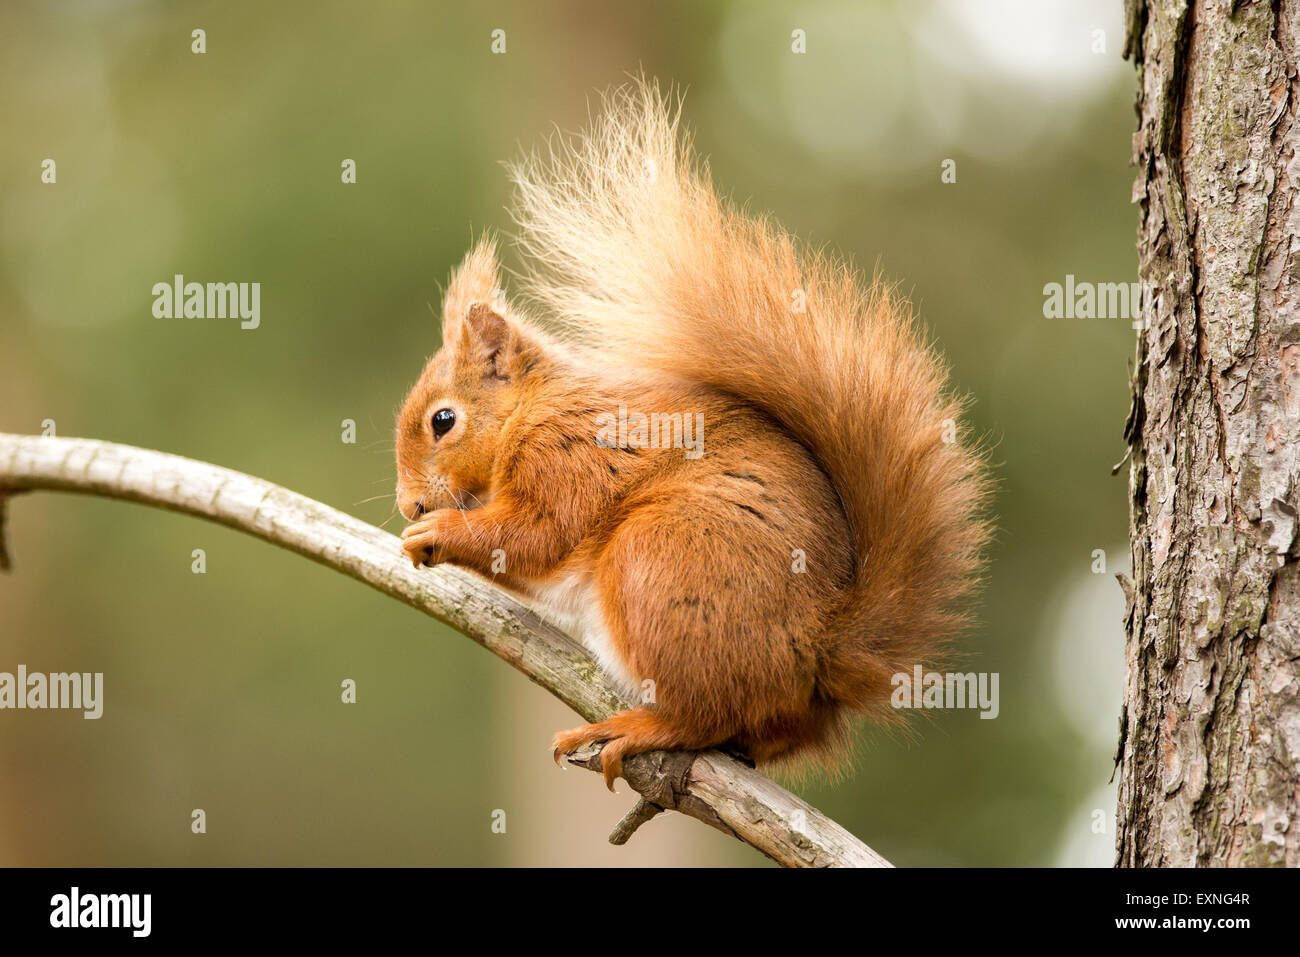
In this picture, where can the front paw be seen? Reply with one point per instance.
(421, 542)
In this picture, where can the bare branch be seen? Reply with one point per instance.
(643, 811)
(709, 786)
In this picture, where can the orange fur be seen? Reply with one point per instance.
(824, 438)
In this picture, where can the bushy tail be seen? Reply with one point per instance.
(636, 255)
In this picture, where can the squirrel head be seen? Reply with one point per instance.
(449, 431)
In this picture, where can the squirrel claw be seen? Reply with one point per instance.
(611, 754)
(611, 761)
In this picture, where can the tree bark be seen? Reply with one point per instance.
(1209, 746)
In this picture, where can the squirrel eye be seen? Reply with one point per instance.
(443, 420)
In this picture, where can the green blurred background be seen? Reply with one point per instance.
(222, 689)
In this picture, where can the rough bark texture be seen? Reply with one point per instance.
(1210, 736)
(709, 786)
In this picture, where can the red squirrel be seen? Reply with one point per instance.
(808, 519)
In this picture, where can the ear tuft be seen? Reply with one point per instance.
(476, 281)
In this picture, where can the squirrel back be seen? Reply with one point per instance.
(646, 267)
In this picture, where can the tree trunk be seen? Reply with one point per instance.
(1210, 736)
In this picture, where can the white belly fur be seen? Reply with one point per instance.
(572, 604)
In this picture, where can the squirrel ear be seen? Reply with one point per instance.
(488, 337)
(474, 281)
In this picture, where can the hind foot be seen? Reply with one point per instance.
(626, 733)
